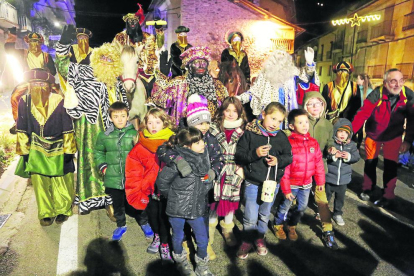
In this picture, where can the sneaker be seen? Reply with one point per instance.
(118, 233)
(339, 220)
(165, 254)
(149, 234)
(153, 247)
(382, 202)
(244, 249)
(365, 195)
(261, 247)
(329, 240)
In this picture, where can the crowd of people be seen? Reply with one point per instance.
(187, 163)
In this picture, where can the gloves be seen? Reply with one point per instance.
(68, 35)
(211, 175)
(309, 55)
(182, 166)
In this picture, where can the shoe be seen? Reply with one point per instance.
(382, 202)
(165, 254)
(202, 266)
(244, 249)
(118, 233)
(61, 219)
(261, 247)
(183, 265)
(365, 195)
(339, 220)
(149, 234)
(329, 240)
(211, 254)
(279, 232)
(47, 221)
(153, 247)
(227, 231)
(293, 236)
(110, 212)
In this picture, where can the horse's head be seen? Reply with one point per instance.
(129, 59)
(232, 77)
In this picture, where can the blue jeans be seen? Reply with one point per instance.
(302, 198)
(199, 229)
(256, 212)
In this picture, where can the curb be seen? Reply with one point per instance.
(7, 182)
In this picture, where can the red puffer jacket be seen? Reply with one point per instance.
(141, 171)
(307, 163)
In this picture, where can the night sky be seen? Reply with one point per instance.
(104, 17)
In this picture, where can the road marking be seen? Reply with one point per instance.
(68, 247)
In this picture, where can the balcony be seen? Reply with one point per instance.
(283, 44)
(319, 57)
(337, 46)
(25, 23)
(408, 21)
(377, 71)
(383, 31)
(328, 55)
(406, 69)
(8, 15)
(362, 36)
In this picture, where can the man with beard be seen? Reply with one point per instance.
(172, 94)
(176, 49)
(342, 96)
(235, 52)
(96, 87)
(45, 140)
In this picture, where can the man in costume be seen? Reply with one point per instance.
(176, 49)
(172, 94)
(278, 81)
(96, 86)
(236, 52)
(342, 96)
(45, 140)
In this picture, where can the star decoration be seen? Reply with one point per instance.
(355, 21)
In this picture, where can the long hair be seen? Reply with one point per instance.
(158, 113)
(185, 137)
(367, 83)
(219, 118)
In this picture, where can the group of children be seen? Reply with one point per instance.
(170, 180)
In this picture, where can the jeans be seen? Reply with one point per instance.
(256, 212)
(339, 191)
(199, 229)
(302, 197)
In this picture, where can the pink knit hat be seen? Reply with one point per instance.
(197, 111)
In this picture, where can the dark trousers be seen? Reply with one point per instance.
(121, 207)
(158, 219)
(339, 191)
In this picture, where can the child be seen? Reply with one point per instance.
(187, 198)
(199, 117)
(322, 130)
(142, 166)
(297, 180)
(261, 146)
(111, 150)
(228, 128)
(342, 155)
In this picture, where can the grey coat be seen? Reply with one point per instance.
(340, 170)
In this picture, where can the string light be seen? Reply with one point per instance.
(356, 20)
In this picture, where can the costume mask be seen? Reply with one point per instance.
(182, 39)
(150, 43)
(236, 43)
(34, 47)
(83, 44)
(40, 92)
(342, 78)
(198, 67)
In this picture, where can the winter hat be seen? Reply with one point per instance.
(345, 128)
(197, 110)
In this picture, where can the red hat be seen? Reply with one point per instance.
(194, 53)
(140, 14)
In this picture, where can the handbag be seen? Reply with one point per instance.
(269, 186)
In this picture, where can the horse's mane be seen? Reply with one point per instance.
(227, 69)
(129, 59)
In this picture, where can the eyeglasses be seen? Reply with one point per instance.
(395, 82)
(318, 104)
(106, 59)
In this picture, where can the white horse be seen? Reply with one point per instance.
(133, 85)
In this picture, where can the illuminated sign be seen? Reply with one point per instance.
(356, 20)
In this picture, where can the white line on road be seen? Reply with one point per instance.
(68, 247)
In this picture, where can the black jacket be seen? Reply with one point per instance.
(244, 65)
(175, 59)
(255, 168)
(186, 196)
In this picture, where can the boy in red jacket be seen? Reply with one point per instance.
(297, 180)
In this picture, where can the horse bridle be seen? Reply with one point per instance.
(131, 79)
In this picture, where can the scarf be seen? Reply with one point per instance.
(264, 131)
(232, 124)
(153, 141)
(203, 86)
(199, 162)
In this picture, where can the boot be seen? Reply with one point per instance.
(110, 212)
(211, 254)
(202, 267)
(165, 254)
(227, 231)
(183, 265)
(279, 232)
(293, 236)
(211, 231)
(187, 250)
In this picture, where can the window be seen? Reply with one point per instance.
(320, 71)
